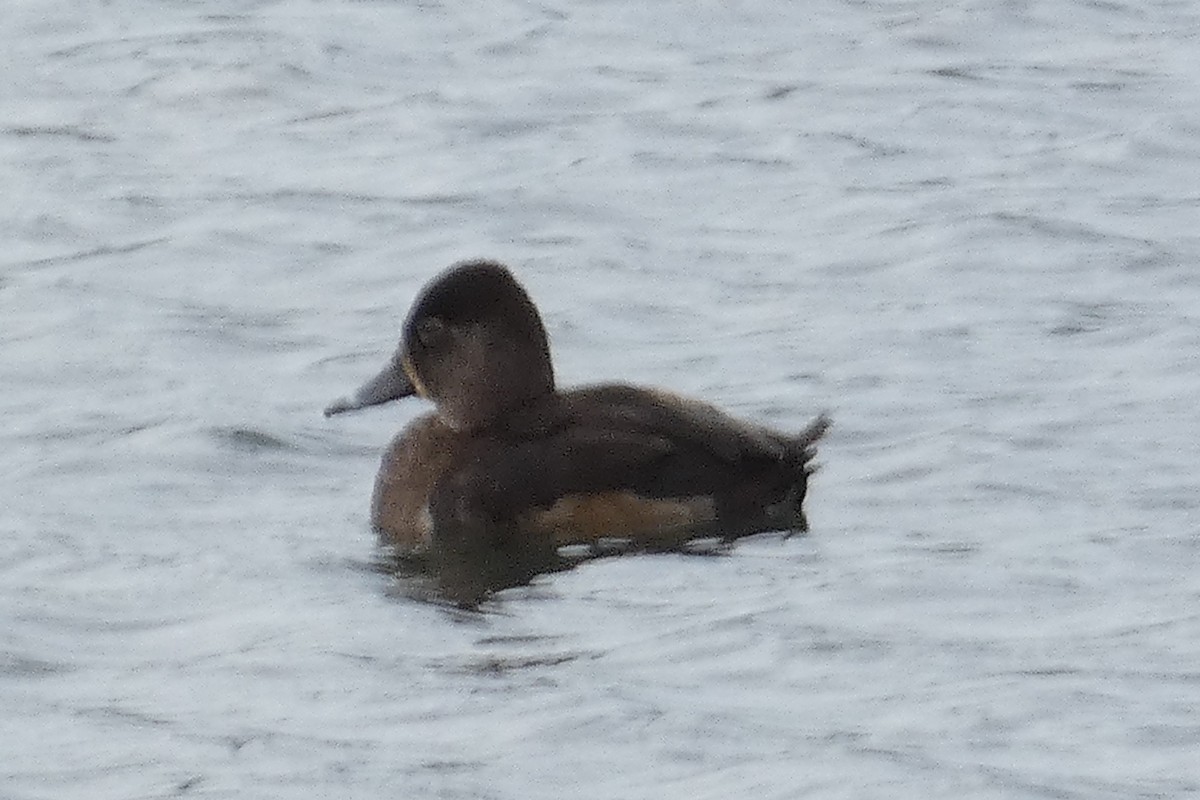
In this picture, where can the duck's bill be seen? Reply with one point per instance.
(390, 384)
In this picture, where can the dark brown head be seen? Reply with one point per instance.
(473, 343)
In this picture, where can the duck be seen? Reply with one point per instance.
(506, 462)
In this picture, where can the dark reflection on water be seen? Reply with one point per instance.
(467, 577)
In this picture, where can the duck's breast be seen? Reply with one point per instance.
(410, 468)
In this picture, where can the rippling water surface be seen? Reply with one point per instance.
(968, 229)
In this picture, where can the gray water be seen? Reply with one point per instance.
(971, 230)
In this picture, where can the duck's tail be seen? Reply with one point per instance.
(801, 450)
(802, 447)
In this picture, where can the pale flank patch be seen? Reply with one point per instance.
(578, 519)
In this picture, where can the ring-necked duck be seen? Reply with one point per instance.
(507, 459)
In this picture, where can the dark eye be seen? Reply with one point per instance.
(430, 331)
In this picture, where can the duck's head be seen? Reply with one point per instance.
(473, 344)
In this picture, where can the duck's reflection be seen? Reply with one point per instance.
(465, 577)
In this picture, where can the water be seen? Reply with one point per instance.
(968, 229)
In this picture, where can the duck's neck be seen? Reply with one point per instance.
(491, 396)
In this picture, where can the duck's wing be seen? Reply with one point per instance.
(707, 450)
(679, 419)
(639, 443)
(682, 419)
